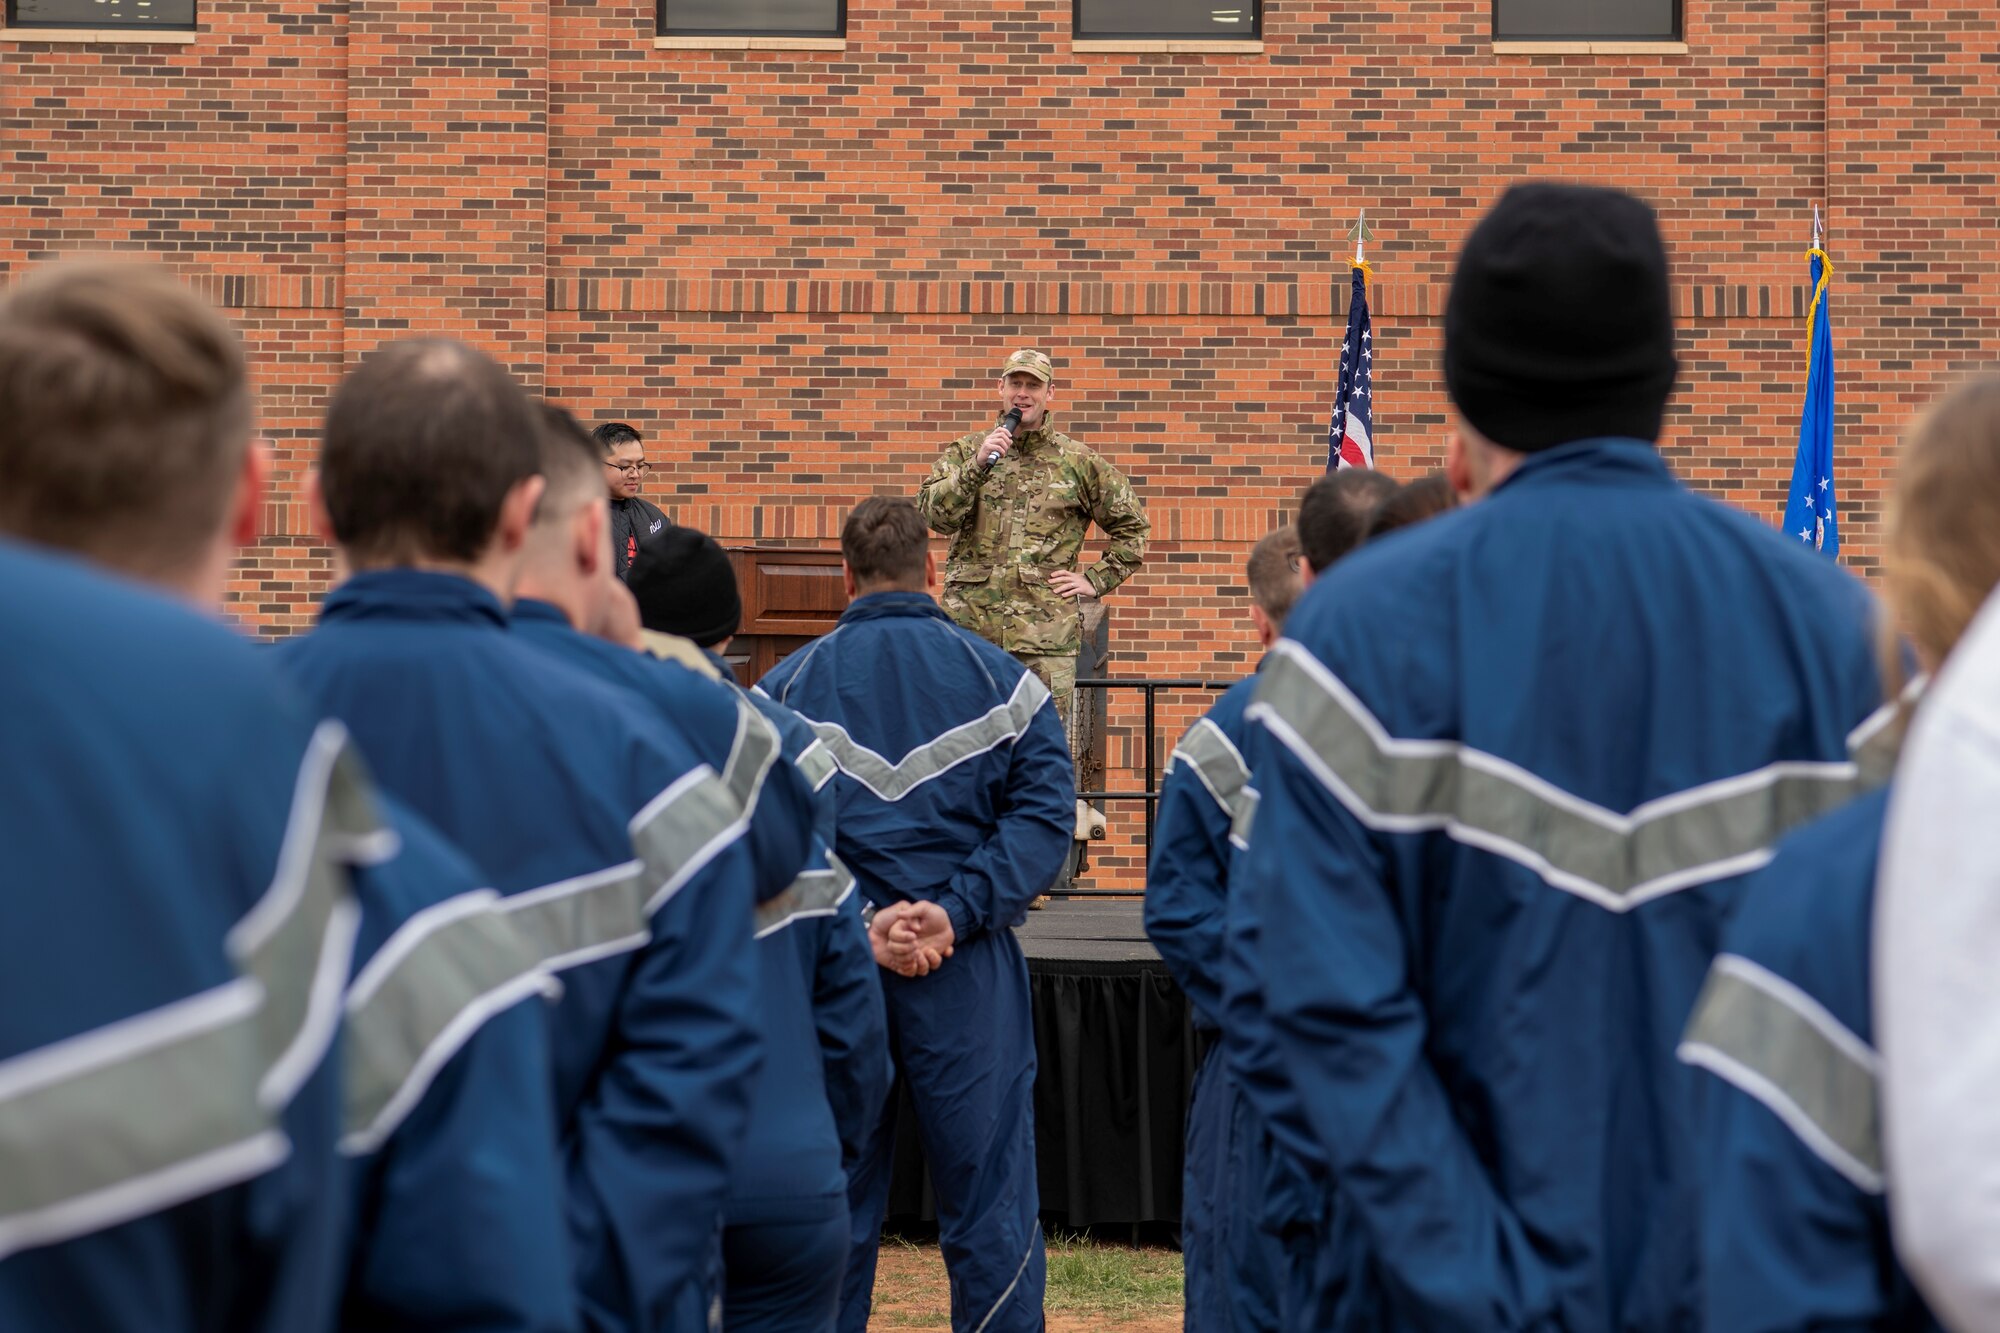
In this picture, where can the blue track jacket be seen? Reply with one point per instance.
(1794, 1223)
(1238, 1196)
(825, 879)
(1187, 878)
(725, 732)
(458, 1186)
(955, 786)
(955, 780)
(826, 1072)
(622, 861)
(806, 752)
(1511, 765)
(819, 1001)
(175, 930)
(826, 1078)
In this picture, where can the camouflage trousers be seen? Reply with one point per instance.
(1059, 674)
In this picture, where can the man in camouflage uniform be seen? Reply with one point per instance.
(1016, 506)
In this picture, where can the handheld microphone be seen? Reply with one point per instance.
(1012, 421)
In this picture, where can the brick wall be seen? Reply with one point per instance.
(800, 270)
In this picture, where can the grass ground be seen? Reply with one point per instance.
(1092, 1285)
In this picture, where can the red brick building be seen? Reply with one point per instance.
(799, 268)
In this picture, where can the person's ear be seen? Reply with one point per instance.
(1267, 632)
(1306, 575)
(1050, 401)
(1458, 470)
(320, 523)
(847, 579)
(930, 572)
(590, 533)
(252, 482)
(517, 513)
(317, 517)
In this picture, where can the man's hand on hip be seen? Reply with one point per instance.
(1071, 584)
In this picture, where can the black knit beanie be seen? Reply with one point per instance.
(684, 585)
(1559, 326)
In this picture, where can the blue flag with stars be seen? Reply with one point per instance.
(1809, 508)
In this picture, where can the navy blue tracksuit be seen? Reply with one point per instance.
(1247, 1210)
(785, 1238)
(955, 786)
(175, 927)
(724, 731)
(621, 860)
(446, 1055)
(1794, 1210)
(825, 1080)
(1507, 793)
(823, 1086)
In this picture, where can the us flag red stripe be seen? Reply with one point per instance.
(1350, 435)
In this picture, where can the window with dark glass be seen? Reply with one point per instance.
(1204, 20)
(753, 18)
(177, 14)
(1575, 20)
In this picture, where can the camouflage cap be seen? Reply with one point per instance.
(1030, 362)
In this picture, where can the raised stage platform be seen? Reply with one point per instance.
(1116, 1058)
(1088, 930)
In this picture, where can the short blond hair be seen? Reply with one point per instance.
(1273, 573)
(1941, 548)
(124, 416)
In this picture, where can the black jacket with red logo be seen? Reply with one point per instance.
(632, 521)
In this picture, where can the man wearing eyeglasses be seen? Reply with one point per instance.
(632, 519)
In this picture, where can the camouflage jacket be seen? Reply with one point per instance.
(1016, 523)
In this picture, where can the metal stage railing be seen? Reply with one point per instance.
(1150, 793)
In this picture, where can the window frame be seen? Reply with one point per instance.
(1077, 34)
(98, 23)
(662, 30)
(1678, 34)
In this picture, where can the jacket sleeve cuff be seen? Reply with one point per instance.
(962, 924)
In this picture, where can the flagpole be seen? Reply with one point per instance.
(1819, 289)
(1348, 435)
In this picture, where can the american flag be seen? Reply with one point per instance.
(1349, 439)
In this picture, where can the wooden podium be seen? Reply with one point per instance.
(790, 598)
